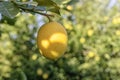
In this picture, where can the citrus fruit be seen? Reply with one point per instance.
(52, 40)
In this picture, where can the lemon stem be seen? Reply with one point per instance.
(50, 20)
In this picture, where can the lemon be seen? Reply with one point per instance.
(118, 32)
(69, 7)
(82, 40)
(39, 71)
(45, 76)
(52, 40)
(90, 32)
(91, 54)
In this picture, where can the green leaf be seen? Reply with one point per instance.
(8, 9)
(50, 5)
(23, 76)
(55, 10)
(60, 2)
(40, 8)
(26, 3)
(73, 2)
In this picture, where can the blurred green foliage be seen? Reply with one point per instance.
(93, 48)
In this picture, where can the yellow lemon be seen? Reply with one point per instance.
(52, 40)
(39, 71)
(118, 32)
(69, 7)
(45, 76)
(116, 21)
(97, 58)
(68, 26)
(82, 40)
(90, 32)
(34, 57)
(91, 54)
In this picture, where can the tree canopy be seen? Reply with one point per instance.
(93, 40)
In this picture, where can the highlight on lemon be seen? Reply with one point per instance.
(52, 40)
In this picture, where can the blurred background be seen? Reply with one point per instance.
(93, 53)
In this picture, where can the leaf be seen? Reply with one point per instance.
(60, 2)
(26, 3)
(23, 76)
(73, 2)
(55, 10)
(8, 9)
(52, 9)
(50, 5)
(40, 8)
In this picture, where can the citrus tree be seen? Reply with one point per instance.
(92, 40)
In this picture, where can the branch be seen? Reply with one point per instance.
(1, 0)
(32, 10)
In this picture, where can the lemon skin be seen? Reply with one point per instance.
(52, 40)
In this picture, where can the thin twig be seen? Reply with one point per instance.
(33, 10)
(1, 0)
